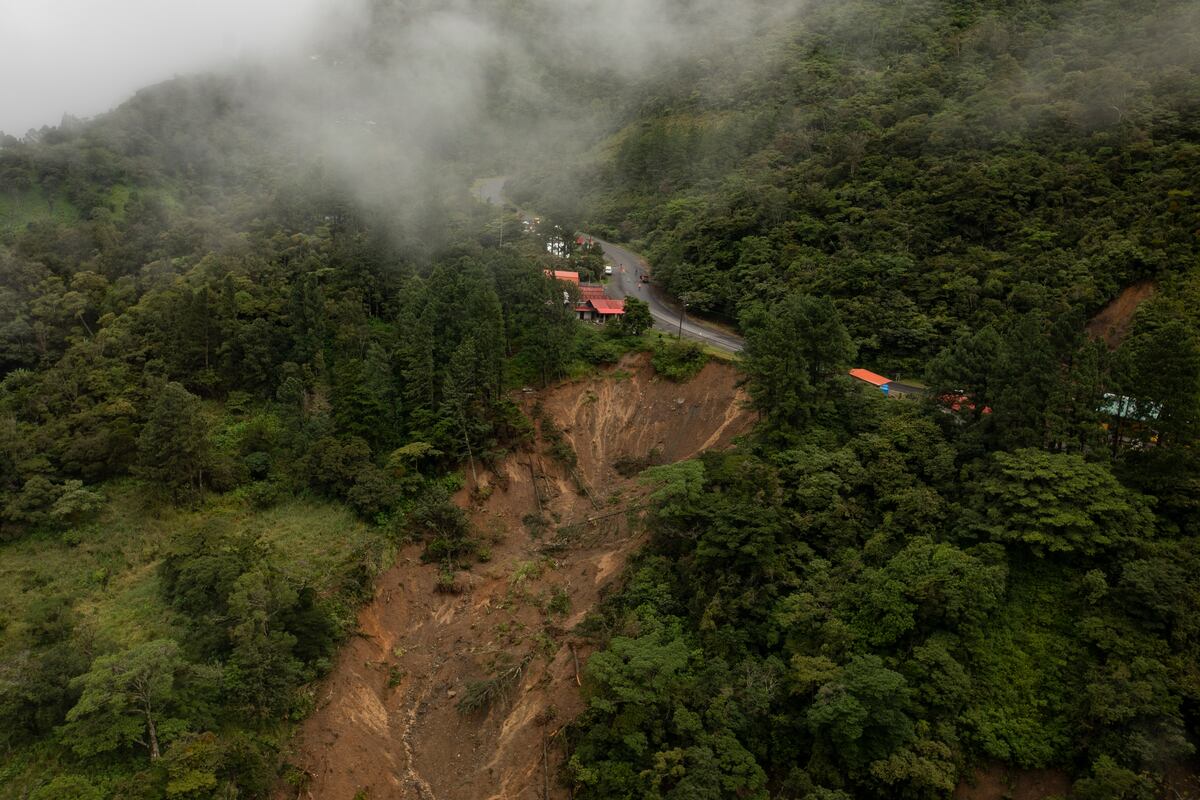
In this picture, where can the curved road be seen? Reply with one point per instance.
(628, 268)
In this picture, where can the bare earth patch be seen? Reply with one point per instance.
(1113, 322)
(387, 722)
(998, 781)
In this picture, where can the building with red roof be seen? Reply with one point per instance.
(595, 305)
(563, 275)
(866, 376)
(608, 308)
(889, 386)
(957, 402)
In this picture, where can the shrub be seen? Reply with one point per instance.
(443, 525)
(68, 787)
(374, 492)
(678, 360)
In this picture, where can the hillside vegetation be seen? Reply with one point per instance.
(934, 167)
(227, 390)
(235, 375)
(878, 596)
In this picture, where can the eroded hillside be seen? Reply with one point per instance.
(389, 720)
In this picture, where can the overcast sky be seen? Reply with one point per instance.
(83, 57)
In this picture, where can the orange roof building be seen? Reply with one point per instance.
(608, 308)
(866, 376)
(563, 275)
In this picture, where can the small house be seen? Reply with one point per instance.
(587, 293)
(596, 306)
(1129, 421)
(958, 402)
(607, 309)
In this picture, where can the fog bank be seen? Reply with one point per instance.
(83, 57)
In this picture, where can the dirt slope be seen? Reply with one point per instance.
(996, 781)
(386, 723)
(1113, 322)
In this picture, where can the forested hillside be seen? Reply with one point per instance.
(934, 167)
(876, 597)
(254, 332)
(229, 388)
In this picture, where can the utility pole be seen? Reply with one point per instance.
(682, 311)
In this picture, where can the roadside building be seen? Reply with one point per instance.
(607, 309)
(594, 305)
(878, 381)
(587, 293)
(889, 387)
(563, 275)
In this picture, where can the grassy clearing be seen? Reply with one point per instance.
(20, 209)
(108, 574)
(118, 198)
(111, 575)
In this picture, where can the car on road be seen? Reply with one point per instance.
(608, 270)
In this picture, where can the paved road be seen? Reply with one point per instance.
(626, 282)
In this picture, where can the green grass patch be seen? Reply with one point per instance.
(111, 574)
(316, 539)
(22, 208)
(118, 199)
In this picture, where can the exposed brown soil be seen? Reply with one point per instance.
(387, 723)
(1182, 780)
(997, 781)
(1113, 322)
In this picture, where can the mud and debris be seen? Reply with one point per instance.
(394, 718)
(1113, 323)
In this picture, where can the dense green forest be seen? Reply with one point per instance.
(934, 167)
(872, 597)
(231, 382)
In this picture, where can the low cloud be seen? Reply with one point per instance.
(82, 57)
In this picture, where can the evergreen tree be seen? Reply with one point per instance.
(364, 402)
(173, 445)
(795, 354)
